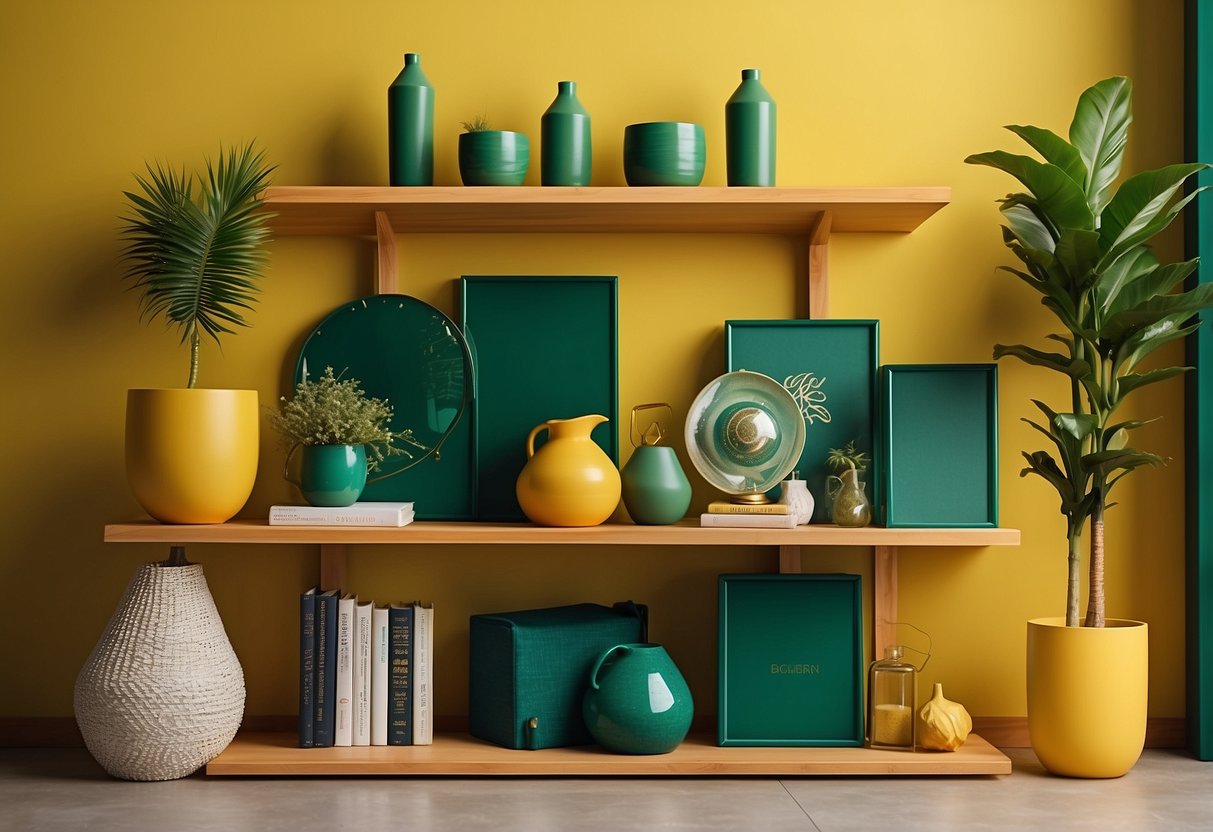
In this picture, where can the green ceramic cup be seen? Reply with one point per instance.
(664, 153)
(332, 475)
(638, 702)
(493, 157)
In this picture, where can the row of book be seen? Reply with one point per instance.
(366, 671)
(748, 516)
(392, 514)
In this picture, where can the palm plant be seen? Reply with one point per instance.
(198, 261)
(1086, 250)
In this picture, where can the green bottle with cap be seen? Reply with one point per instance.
(749, 124)
(410, 125)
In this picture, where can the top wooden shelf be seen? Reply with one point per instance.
(345, 211)
(686, 532)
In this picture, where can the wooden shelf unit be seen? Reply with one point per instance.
(462, 755)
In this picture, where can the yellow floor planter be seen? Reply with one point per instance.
(1087, 691)
(191, 454)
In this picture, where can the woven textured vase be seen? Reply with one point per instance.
(162, 692)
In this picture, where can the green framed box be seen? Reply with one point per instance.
(791, 660)
(939, 442)
(830, 368)
(543, 348)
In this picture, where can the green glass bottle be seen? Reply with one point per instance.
(749, 124)
(565, 136)
(410, 126)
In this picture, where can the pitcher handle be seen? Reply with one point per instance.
(603, 658)
(831, 488)
(530, 440)
(286, 465)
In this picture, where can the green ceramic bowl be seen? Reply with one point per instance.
(664, 153)
(493, 157)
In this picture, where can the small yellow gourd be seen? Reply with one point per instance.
(943, 725)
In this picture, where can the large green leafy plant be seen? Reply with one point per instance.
(198, 261)
(1086, 249)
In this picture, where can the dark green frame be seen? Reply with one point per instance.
(937, 475)
(771, 630)
(1199, 400)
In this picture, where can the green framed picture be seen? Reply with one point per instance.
(829, 367)
(543, 348)
(939, 442)
(791, 660)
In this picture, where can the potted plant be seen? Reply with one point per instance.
(1084, 247)
(492, 157)
(343, 434)
(191, 454)
(849, 502)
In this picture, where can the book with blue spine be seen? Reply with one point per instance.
(307, 666)
(400, 675)
(326, 669)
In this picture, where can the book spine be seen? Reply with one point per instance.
(307, 667)
(326, 669)
(736, 508)
(305, 516)
(380, 662)
(749, 521)
(362, 674)
(344, 726)
(400, 682)
(423, 675)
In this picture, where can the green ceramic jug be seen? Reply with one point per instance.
(637, 702)
(656, 490)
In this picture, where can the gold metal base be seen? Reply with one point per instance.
(750, 499)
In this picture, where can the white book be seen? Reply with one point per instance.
(359, 514)
(423, 674)
(362, 673)
(343, 723)
(379, 675)
(749, 521)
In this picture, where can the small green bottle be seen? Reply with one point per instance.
(749, 124)
(565, 135)
(410, 126)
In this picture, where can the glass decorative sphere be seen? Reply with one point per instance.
(744, 433)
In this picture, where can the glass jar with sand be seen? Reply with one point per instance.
(892, 687)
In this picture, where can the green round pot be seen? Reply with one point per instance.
(664, 153)
(332, 475)
(656, 490)
(637, 702)
(493, 157)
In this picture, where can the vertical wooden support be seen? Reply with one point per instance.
(332, 565)
(819, 267)
(884, 600)
(387, 266)
(789, 560)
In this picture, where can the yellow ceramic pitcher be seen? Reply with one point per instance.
(569, 481)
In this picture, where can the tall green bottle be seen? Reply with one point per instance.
(565, 135)
(749, 126)
(410, 125)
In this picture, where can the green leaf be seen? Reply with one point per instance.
(1116, 440)
(1149, 338)
(1160, 281)
(1154, 310)
(1140, 199)
(1043, 465)
(1126, 384)
(1055, 150)
(1027, 226)
(1148, 232)
(1077, 425)
(1099, 131)
(1054, 361)
(1125, 459)
(1060, 199)
(1078, 251)
(1131, 265)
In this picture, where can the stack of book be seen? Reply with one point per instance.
(746, 515)
(358, 514)
(366, 672)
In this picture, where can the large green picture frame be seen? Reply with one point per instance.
(939, 442)
(543, 347)
(791, 660)
(829, 367)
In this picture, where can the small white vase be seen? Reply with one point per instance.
(796, 496)
(162, 692)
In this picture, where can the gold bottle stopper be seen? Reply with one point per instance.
(654, 433)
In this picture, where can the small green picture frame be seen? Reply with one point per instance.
(791, 661)
(939, 443)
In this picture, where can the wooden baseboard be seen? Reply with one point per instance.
(999, 731)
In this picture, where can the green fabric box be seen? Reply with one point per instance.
(529, 669)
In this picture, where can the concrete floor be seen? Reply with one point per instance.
(49, 790)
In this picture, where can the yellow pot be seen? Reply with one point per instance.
(1087, 690)
(569, 481)
(191, 455)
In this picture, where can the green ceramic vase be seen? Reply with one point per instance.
(332, 475)
(493, 157)
(410, 126)
(749, 125)
(656, 490)
(637, 702)
(565, 135)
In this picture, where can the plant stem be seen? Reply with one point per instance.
(1075, 571)
(194, 339)
(1095, 596)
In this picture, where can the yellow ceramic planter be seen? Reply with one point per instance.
(1087, 691)
(569, 481)
(191, 454)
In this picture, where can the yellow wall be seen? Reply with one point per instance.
(869, 93)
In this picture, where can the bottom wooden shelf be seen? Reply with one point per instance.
(460, 754)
